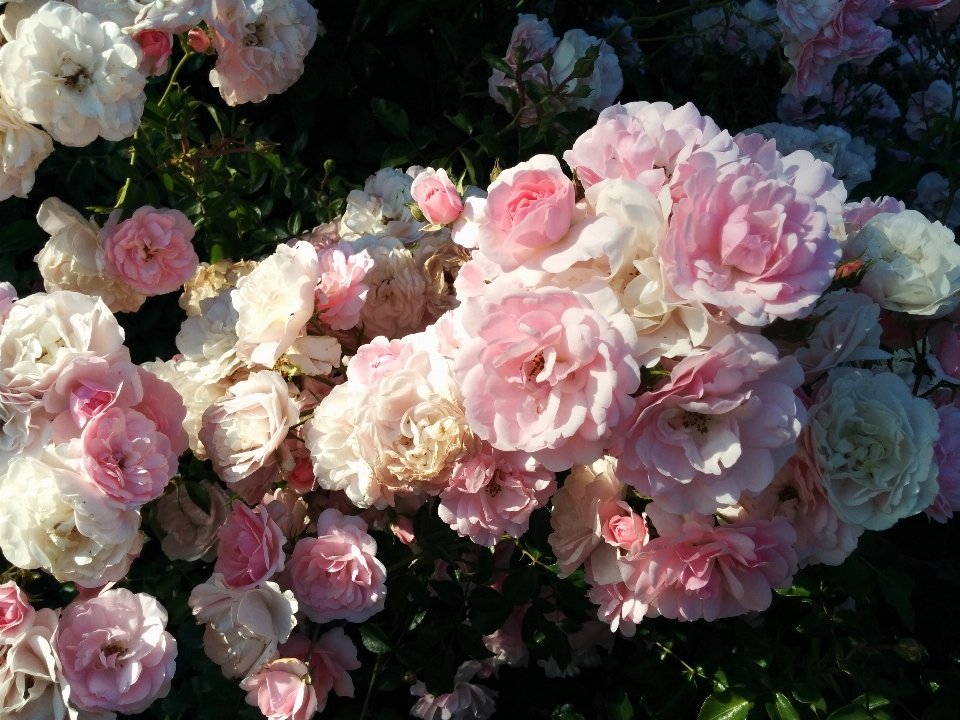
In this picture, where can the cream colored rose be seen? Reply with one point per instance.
(244, 627)
(210, 280)
(29, 687)
(22, 148)
(274, 303)
(242, 430)
(399, 289)
(208, 342)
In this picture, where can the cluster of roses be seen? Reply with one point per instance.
(88, 438)
(79, 69)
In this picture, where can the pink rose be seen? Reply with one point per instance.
(652, 143)
(548, 372)
(87, 387)
(528, 210)
(723, 425)
(301, 478)
(156, 46)
(467, 700)
(494, 492)
(437, 197)
(341, 292)
(947, 455)
(618, 607)
(125, 457)
(198, 39)
(333, 656)
(336, 575)
(856, 214)
(949, 353)
(16, 612)
(164, 406)
(151, 251)
(251, 547)
(625, 532)
(115, 652)
(696, 570)
(282, 691)
(753, 238)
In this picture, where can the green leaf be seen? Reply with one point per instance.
(375, 640)
(781, 708)
(809, 695)
(461, 122)
(474, 167)
(498, 63)
(510, 95)
(850, 712)
(618, 706)
(725, 706)
(404, 16)
(21, 235)
(391, 116)
(400, 153)
(198, 494)
(896, 587)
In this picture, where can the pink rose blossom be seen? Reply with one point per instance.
(336, 575)
(16, 612)
(156, 46)
(198, 39)
(251, 547)
(282, 691)
(289, 511)
(87, 387)
(125, 457)
(547, 372)
(115, 652)
(535, 35)
(151, 251)
(753, 238)
(723, 425)
(302, 478)
(163, 405)
(856, 214)
(467, 700)
(947, 455)
(494, 492)
(437, 197)
(696, 570)
(506, 643)
(948, 355)
(342, 293)
(617, 607)
(334, 656)
(626, 532)
(652, 143)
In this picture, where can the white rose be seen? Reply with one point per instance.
(24, 148)
(73, 75)
(849, 332)
(802, 20)
(72, 259)
(244, 627)
(933, 191)
(274, 303)
(210, 280)
(874, 444)
(314, 355)
(242, 430)
(396, 301)
(191, 533)
(29, 686)
(604, 83)
(381, 207)
(45, 332)
(39, 528)
(197, 397)
(121, 12)
(916, 266)
(208, 342)
(172, 16)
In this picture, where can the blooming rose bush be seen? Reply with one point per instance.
(421, 359)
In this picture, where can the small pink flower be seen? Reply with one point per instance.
(251, 547)
(626, 532)
(696, 570)
(723, 425)
(494, 492)
(336, 575)
(282, 691)
(156, 46)
(198, 39)
(151, 251)
(302, 478)
(164, 406)
(341, 293)
(947, 455)
(403, 530)
(126, 458)
(16, 612)
(856, 214)
(115, 652)
(333, 657)
(437, 197)
(467, 700)
(548, 372)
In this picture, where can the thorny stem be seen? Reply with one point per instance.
(369, 697)
(173, 77)
(680, 660)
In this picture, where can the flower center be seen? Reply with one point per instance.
(536, 366)
(493, 487)
(695, 422)
(253, 36)
(75, 77)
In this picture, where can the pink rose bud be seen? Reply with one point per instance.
(199, 40)
(949, 353)
(301, 478)
(251, 547)
(282, 690)
(625, 531)
(151, 251)
(403, 530)
(847, 269)
(437, 197)
(156, 46)
(16, 612)
(115, 652)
